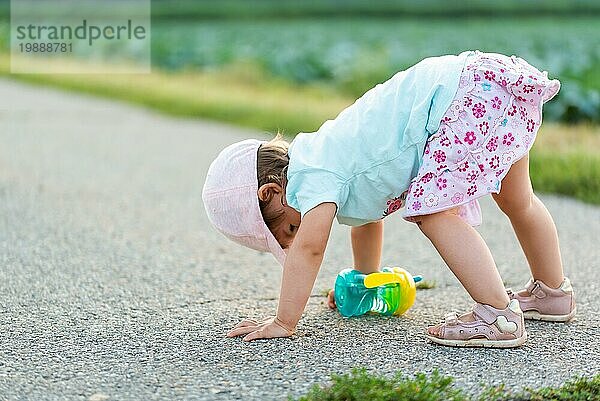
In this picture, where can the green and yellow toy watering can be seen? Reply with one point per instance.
(389, 292)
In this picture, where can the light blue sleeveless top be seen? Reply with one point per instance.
(370, 152)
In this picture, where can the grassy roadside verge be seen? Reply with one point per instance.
(238, 94)
(565, 159)
(360, 385)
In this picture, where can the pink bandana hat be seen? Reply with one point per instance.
(230, 197)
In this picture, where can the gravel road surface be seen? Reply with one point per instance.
(113, 286)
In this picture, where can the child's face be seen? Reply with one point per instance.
(285, 228)
(285, 232)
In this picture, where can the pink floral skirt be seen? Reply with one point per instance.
(491, 123)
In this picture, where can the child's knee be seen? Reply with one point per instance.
(514, 204)
(424, 222)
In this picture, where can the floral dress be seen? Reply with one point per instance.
(491, 123)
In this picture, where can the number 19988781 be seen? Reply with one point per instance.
(46, 47)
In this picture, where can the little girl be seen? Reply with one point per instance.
(432, 139)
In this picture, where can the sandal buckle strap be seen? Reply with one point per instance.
(451, 318)
(530, 286)
(537, 291)
(484, 313)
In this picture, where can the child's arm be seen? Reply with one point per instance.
(299, 273)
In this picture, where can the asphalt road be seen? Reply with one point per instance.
(114, 286)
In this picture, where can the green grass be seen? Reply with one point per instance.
(237, 94)
(575, 174)
(566, 160)
(360, 385)
(426, 285)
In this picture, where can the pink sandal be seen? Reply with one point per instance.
(494, 328)
(540, 302)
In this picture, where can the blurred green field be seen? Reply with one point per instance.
(239, 9)
(351, 55)
(205, 9)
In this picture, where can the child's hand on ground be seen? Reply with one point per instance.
(270, 327)
(331, 299)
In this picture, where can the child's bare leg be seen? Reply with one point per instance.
(367, 242)
(467, 255)
(532, 224)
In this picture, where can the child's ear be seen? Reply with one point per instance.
(267, 191)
